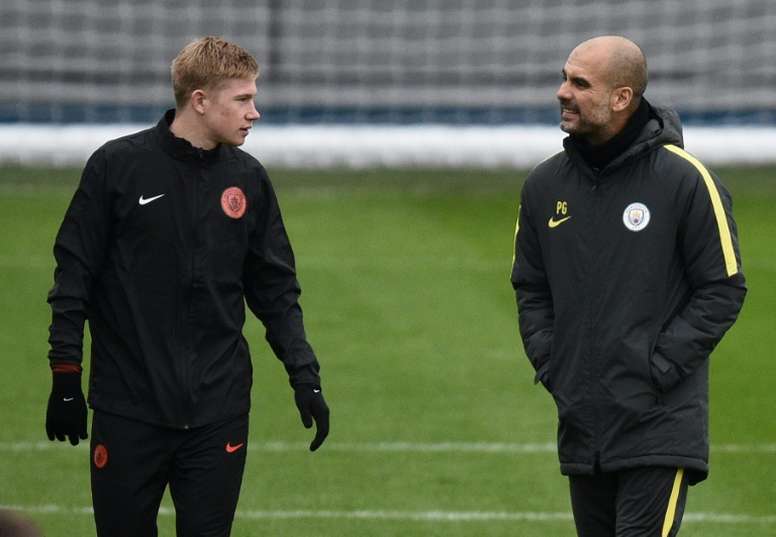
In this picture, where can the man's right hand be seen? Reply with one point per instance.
(66, 412)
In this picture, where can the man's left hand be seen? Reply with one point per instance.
(312, 407)
(66, 411)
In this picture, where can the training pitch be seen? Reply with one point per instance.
(437, 428)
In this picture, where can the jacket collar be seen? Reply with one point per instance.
(181, 148)
(598, 156)
(663, 127)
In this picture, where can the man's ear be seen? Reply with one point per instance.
(197, 101)
(621, 98)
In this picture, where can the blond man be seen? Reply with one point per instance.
(170, 232)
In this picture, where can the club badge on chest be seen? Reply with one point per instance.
(636, 216)
(233, 202)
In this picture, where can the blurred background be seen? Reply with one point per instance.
(397, 135)
(477, 72)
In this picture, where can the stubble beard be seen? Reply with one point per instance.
(585, 125)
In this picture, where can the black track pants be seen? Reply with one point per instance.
(641, 502)
(132, 463)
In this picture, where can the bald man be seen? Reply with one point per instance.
(627, 274)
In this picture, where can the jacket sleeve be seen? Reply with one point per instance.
(272, 290)
(708, 243)
(532, 291)
(79, 251)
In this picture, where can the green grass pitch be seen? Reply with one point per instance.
(408, 304)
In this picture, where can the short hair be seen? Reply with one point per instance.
(207, 62)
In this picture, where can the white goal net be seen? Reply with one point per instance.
(391, 62)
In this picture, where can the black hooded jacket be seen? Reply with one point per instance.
(626, 279)
(160, 249)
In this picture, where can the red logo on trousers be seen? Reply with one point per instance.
(231, 449)
(100, 456)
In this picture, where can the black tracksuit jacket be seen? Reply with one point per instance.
(626, 279)
(161, 247)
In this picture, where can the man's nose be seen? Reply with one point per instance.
(563, 93)
(253, 114)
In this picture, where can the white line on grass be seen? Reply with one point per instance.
(744, 448)
(400, 447)
(419, 447)
(416, 516)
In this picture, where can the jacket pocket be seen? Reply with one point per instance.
(664, 374)
(543, 375)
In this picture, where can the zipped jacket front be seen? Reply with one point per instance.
(626, 278)
(161, 247)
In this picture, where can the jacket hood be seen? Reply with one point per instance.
(662, 128)
(668, 129)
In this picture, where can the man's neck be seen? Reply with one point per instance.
(614, 128)
(186, 125)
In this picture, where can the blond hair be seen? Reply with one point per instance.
(205, 63)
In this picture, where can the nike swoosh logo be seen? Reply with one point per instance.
(555, 223)
(231, 449)
(316, 391)
(145, 201)
(67, 399)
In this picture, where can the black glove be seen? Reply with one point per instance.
(312, 406)
(66, 412)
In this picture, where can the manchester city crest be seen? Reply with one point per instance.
(636, 216)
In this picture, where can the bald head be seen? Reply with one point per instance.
(623, 63)
(603, 81)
